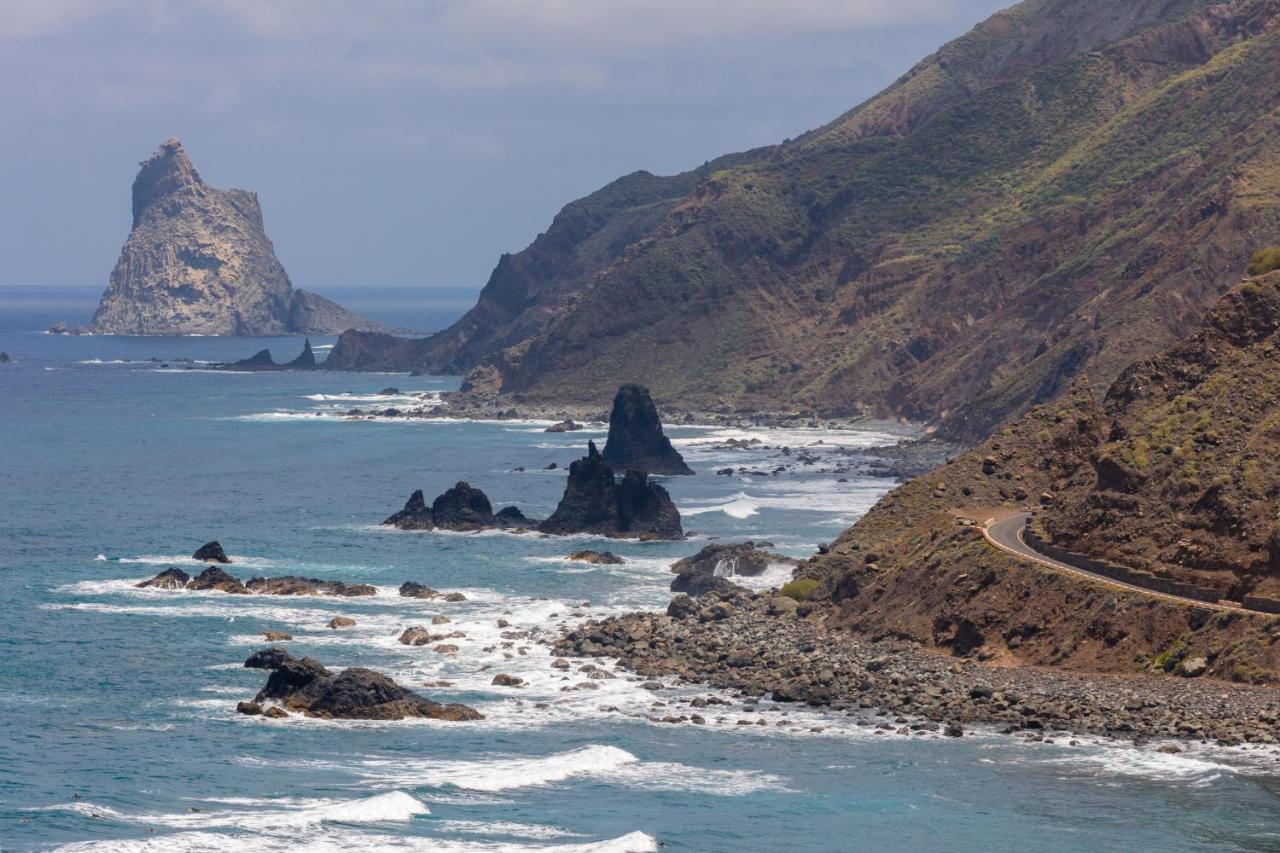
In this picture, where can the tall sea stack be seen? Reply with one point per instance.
(199, 262)
(635, 436)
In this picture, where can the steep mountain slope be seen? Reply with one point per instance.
(1067, 187)
(909, 569)
(198, 261)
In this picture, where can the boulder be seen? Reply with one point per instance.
(635, 436)
(211, 552)
(504, 680)
(413, 589)
(726, 561)
(599, 558)
(170, 578)
(595, 502)
(294, 585)
(250, 708)
(341, 622)
(696, 584)
(275, 712)
(418, 636)
(681, 607)
(276, 636)
(217, 578)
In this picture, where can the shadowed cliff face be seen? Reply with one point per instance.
(199, 262)
(1064, 189)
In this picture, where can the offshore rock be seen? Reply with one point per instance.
(462, 507)
(211, 552)
(595, 502)
(262, 361)
(198, 261)
(294, 585)
(635, 436)
(305, 686)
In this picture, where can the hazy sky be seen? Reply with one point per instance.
(409, 143)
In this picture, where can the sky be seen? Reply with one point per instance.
(409, 144)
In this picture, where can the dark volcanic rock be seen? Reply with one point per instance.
(416, 515)
(595, 502)
(696, 584)
(217, 578)
(635, 436)
(463, 507)
(262, 361)
(743, 560)
(413, 589)
(170, 578)
(565, 426)
(599, 558)
(306, 359)
(211, 552)
(294, 585)
(307, 687)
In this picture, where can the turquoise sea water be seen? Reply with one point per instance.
(117, 722)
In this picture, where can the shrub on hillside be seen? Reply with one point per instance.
(801, 590)
(1265, 261)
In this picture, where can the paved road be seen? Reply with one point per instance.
(1006, 535)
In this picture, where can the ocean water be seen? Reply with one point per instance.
(117, 721)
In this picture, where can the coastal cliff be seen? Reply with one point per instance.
(198, 262)
(1066, 188)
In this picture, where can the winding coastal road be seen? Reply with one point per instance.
(1006, 534)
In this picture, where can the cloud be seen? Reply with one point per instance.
(21, 19)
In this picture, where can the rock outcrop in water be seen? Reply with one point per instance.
(217, 578)
(462, 507)
(211, 552)
(199, 262)
(596, 502)
(262, 361)
(635, 436)
(307, 687)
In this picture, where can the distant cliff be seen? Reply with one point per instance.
(199, 262)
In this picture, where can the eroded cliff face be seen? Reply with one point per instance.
(1186, 482)
(198, 261)
(1066, 188)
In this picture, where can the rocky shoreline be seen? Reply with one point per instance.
(768, 646)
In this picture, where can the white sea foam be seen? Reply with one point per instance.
(273, 815)
(606, 764)
(334, 840)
